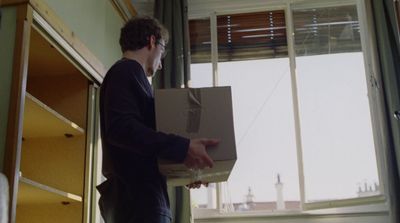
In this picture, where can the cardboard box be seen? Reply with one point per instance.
(198, 113)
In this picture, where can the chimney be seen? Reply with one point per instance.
(211, 196)
(249, 200)
(280, 204)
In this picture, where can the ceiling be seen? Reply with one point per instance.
(143, 7)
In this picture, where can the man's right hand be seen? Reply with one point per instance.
(197, 157)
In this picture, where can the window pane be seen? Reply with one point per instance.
(326, 30)
(201, 75)
(200, 47)
(253, 60)
(250, 36)
(337, 140)
(264, 131)
(200, 40)
(263, 113)
(204, 197)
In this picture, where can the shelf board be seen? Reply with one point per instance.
(32, 192)
(42, 121)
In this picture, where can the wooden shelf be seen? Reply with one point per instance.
(54, 143)
(54, 161)
(42, 121)
(32, 192)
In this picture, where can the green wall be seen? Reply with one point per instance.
(95, 22)
(7, 37)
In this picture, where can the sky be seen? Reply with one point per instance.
(337, 140)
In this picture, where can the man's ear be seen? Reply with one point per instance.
(152, 42)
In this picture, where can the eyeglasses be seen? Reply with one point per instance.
(164, 51)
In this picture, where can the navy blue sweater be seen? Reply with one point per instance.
(130, 143)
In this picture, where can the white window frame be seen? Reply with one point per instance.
(369, 71)
(375, 97)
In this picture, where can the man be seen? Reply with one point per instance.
(135, 191)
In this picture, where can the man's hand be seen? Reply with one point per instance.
(197, 157)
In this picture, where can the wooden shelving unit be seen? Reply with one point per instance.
(32, 192)
(42, 121)
(52, 167)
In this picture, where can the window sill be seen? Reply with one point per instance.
(381, 209)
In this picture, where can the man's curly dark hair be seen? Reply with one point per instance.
(136, 33)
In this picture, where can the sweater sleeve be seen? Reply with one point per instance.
(122, 99)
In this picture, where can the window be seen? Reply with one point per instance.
(253, 59)
(335, 121)
(301, 107)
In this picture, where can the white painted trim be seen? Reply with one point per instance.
(89, 157)
(372, 217)
(376, 94)
(344, 202)
(98, 177)
(214, 48)
(293, 216)
(295, 101)
(370, 77)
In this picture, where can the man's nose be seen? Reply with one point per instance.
(159, 66)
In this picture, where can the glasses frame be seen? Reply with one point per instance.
(164, 49)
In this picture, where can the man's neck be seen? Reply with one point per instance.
(137, 55)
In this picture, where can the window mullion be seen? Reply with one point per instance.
(292, 60)
(214, 47)
(214, 61)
